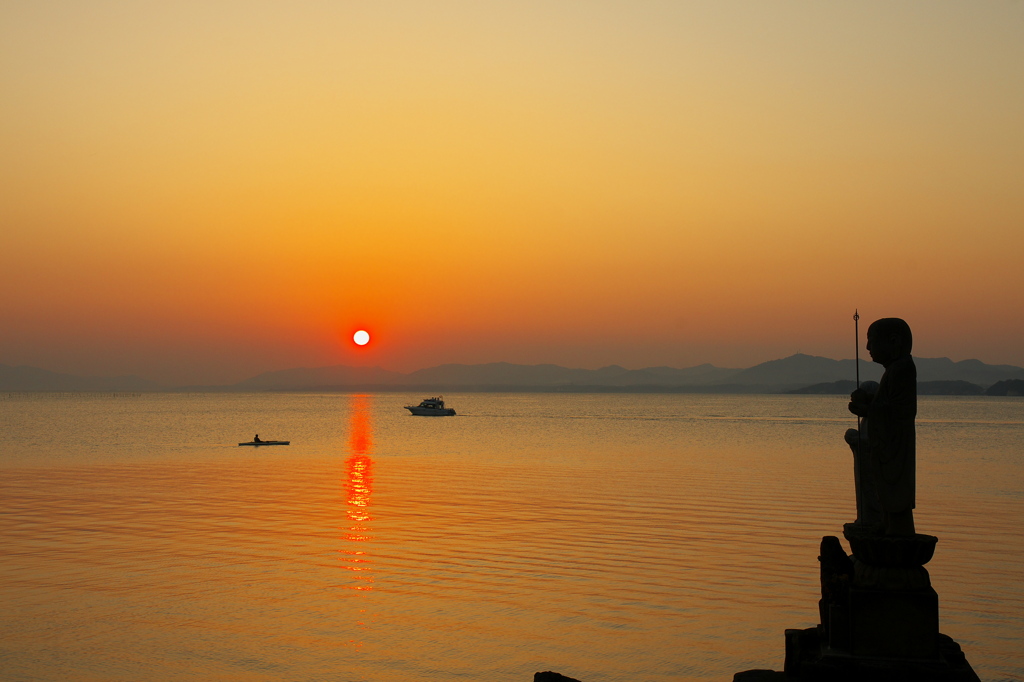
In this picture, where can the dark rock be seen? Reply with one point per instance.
(548, 676)
(759, 676)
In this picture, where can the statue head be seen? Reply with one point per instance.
(889, 339)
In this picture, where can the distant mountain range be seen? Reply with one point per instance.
(32, 379)
(491, 376)
(797, 373)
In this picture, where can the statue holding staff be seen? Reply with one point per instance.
(887, 464)
(869, 514)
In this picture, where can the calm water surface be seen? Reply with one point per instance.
(609, 537)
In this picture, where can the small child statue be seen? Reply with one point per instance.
(890, 412)
(869, 513)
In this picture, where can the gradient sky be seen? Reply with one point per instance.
(201, 191)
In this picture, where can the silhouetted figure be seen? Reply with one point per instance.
(890, 415)
(256, 439)
(879, 612)
(869, 512)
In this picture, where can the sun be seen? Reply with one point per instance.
(361, 337)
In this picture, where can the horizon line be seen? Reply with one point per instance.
(479, 364)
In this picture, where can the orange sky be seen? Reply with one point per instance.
(201, 191)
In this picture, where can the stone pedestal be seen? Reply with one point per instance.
(879, 617)
(886, 607)
(894, 624)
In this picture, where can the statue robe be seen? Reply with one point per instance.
(892, 435)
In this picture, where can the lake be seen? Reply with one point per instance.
(604, 536)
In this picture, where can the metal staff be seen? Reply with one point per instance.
(856, 342)
(856, 355)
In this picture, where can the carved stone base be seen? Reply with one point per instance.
(808, 660)
(886, 550)
(879, 618)
(890, 577)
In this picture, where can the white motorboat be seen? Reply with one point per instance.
(431, 407)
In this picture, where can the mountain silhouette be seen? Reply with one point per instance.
(796, 372)
(803, 370)
(509, 375)
(974, 371)
(320, 377)
(775, 376)
(26, 378)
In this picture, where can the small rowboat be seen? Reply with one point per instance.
(256, 443)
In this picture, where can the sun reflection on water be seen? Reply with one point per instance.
(358, 493)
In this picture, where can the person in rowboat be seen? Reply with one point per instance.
(256, 439)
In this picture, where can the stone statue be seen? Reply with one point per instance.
(879, 614)
(889, 414)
